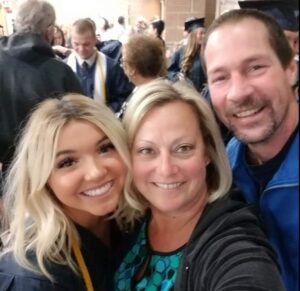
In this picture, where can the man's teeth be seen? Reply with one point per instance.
(168, 186)
(99, 191)
(247, 112)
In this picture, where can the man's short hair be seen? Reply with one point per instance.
(34, 16)
(83, 25)
(276, 37)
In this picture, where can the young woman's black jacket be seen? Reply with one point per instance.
(97, 257)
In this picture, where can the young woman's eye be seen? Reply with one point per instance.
(105, 148)
(68, 162)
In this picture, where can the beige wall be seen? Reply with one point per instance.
(67, 10)
(225, 5)
(176, 11)
(146, 8)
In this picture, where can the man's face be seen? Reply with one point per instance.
(83, 43)
(250, 90)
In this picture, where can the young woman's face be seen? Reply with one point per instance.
(88, 173)
(200, 34)
(169, 159)
(58, 38)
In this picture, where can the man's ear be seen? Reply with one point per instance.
(291, 72)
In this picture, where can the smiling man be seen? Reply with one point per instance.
(250, 70)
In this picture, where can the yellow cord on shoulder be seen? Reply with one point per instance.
(102, 80)
(82, 266)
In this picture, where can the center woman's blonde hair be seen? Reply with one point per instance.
(35, 219)
(158, 93)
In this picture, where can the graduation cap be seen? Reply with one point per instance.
(158, 24)
(281, 11)
(192, 24)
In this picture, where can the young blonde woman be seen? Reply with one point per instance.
(65, 180)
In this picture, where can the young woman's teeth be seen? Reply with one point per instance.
(99, 191)
(168, 186)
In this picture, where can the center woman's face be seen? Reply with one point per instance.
(88, 174)
(169, 159)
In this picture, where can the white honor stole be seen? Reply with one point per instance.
(100, 75)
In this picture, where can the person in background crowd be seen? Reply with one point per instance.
(141, 25)
(156, 29)
(29, 71)
(1, 30)
(143, 61)
(66, 178)
(251, 70)
(283, 12)
(186, 62)
(59, 43)
(59, 37)
(111, 48)
(101, 77)
(103, 29)
(192, 236)
(120, 28)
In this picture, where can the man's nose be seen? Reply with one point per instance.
(239, 89)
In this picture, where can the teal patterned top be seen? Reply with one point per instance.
(160, 268)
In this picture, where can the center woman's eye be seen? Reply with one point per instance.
(184, 148)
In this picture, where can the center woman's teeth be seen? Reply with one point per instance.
(168, 186)
(99, 191)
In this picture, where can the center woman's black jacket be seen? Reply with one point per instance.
(228, 251)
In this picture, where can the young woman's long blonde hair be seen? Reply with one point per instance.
(34, 217)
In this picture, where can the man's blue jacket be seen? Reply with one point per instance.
(278, 205)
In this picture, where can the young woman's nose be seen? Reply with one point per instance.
(94, 170)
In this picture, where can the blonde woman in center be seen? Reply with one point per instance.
(191, 235)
